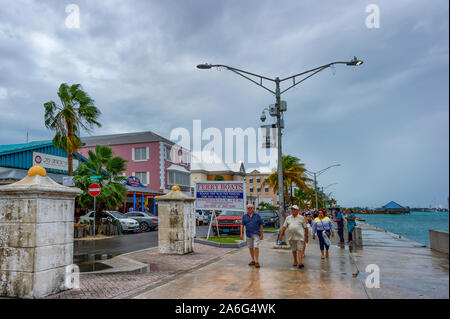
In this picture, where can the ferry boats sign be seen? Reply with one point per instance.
(220, 195)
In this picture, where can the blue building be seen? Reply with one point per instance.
(393, 208)
(16, 159)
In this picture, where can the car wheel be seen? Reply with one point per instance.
(144, 227)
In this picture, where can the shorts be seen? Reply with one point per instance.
(296, 244)
(253, 242)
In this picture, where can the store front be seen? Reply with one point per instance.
(16, 159)
(139, 197)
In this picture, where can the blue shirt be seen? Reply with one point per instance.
(350, 223)
(252, 224)
(341, 223)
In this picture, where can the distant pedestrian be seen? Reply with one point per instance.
(340, 225)
(351, 223)
(254, 231)
(130, 209)
(323, 227)
(147, 209)
(296, 229)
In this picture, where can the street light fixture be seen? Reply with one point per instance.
(279, 109)
(315, 175)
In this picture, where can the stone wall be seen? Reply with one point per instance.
(36, 238)
(439, 240)
(176, 225)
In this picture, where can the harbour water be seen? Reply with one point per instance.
(413, 226)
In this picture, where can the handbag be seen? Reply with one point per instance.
(326, 239)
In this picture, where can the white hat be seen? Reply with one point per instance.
(295, 207)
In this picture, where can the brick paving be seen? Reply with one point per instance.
(161, 268)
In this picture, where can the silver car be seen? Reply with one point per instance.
(127, 224)
(146, 221)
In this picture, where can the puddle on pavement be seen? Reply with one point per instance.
(92, 262)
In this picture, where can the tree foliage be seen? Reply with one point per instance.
(77, 111)
(102, 163)
(293, 173)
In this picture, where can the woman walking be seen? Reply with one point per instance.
(322, 225)
(351, 223)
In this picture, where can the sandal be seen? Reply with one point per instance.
(257, 265)
(252, 263)
(301, 266)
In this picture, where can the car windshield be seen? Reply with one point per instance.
(232, 213)
(117, 215)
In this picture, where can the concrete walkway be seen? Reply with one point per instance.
(406, 270)
(231, 277)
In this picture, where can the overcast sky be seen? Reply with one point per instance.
(386, 122)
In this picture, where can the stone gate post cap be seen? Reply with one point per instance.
(37, 170)
(176, 195)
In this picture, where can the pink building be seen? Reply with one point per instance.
(157, 162)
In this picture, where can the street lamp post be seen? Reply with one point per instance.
(307, 74)
(315, 175)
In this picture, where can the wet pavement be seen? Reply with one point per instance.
(231, 277)
(407, 269)
(117, 245)
(91, 255)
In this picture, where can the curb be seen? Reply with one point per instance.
(220, 245)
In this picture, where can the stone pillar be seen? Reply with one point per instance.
(36, 236)
(176, 224)
(357, 236)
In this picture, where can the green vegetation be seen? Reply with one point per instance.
(102, 163)
(266, 206)
(270, 229)
(293, 173)
(77, 111)
(228, 240)
(219, 178)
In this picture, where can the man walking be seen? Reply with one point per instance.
(254, 231)
(297, 234)
(340, 224)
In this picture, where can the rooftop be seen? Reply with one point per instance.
(125, 138)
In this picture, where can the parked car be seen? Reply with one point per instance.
(146, 221)
(127, 224)
(228, 221)
(270, 218)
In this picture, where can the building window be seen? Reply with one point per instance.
(259, 189)
(266, 189)
(140, 154)
(168, 154)
(251, 189)
(258, 180)
(250, 180)
(144, 177)
(178, 178)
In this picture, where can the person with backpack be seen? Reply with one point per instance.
(323, 226)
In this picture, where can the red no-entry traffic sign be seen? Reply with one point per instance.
(94, 190)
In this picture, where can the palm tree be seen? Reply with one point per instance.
(102, 163)
(77, 111)
(293, 173)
